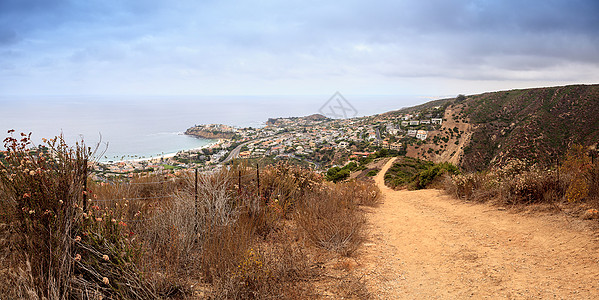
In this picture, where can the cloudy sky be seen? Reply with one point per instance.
(292, 47)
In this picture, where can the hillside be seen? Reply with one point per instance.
(537, 125)
(534, 124)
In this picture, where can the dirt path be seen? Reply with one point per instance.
(425, 245)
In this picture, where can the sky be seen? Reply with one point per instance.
(292, 47)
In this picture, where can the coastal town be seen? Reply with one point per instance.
(315, 140)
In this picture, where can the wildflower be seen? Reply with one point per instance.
(78, 257)
(122, 223)
(31, 173)
(26, 171)
(77, 239)
(60, 201)
(26, 195)
(113, 221)
(105, 257)
(105, 280)
(99, 219)
(31, 212)
(85, 216)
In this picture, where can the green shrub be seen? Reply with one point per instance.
(372, 173)
(426, 177)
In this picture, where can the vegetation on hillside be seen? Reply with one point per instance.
(576, 179)
(241, 234)
(413, 173)
(533, 125)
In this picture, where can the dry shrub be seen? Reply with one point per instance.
(331, 220)
(467, 185)
(354, 287)
(284, 183)
(41, 192)
(532, 186)
(239, 265)
(362, 192)
(528, 187)
(593, 182)
(516, 182)
(61, 249)
(148, 236)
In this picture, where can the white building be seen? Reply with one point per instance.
(412, 132)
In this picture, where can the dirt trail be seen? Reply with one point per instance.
(425, 245)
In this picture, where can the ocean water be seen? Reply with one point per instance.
(127, 127)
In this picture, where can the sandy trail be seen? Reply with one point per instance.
(426, 245)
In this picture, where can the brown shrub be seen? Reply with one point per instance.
(149, 236)
(331, 220)
(532, 186)
(362, 192)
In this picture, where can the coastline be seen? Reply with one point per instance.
(156, 159)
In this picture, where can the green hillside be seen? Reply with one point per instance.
(533, 124)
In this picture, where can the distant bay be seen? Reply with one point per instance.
(136, 126)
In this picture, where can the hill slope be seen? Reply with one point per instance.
(537, 125)
(534, 124)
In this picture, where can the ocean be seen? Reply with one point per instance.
(128, 127)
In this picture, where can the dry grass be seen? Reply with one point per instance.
(152, 236)
(331, 219)
(518, 183)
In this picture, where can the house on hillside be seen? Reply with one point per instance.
(437, 120)
(414, 123)
(371, 135)
(395, 146)
(361, 154)
(425, 121)
(412, 132)
(421, 134)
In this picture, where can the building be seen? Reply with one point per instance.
(437, 120)
(414, 123)
(361, 154)
(421, 134)
(395, 146)
(412, 132)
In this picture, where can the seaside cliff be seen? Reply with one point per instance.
(213, 131)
